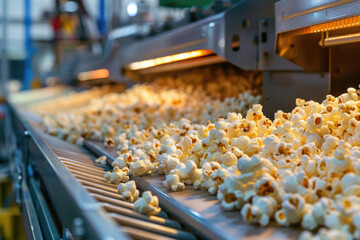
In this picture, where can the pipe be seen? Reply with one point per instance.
(28, 72)
(102, 18)
(4, 60)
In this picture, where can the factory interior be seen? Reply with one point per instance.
(179, 119)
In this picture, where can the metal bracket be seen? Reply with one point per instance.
(344, 70)
(66, 235)
(19, 170)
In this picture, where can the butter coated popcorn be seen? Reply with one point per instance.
(101, 160)
(301, 168)
(117, 175)
(147, 204)
(128, 191)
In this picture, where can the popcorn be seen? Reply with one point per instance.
(109, 143)
(292, 210)
(101, 160)
(331, 234)
(147, 204)
(350, 184)
(308, 221)
(260, 211)
(217, 178)
(123, 160)
(229, 159)
(330, 143)
(320, 208)
(173, 182)
(117, 175)
(303, 167)
(138, 168)
(241, 142)
(297, 183)
(266, 186)
(230, 194)
(128, 191)
(315, 121)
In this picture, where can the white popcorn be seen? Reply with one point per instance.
(330, 143)
(230, 194)
(229, 159)
(260, 211)
(173, 182)
(267, 186)
(171, 164)
(345, 97)
(123, 160)
(217, 178)
(297, 183)
(101, 160)
(241, 142)
(281, 218)
(117, 175)
(320, 208)
(305, 235)
(138, 168)
(147, 204)
(308, 221)
(350, 184)
(315, 121)
(334, 219)
(188, 172)
(128, 191)
(306, 160)
(292, 210)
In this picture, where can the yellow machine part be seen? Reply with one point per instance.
(11, 225)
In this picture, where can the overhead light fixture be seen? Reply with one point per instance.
(168, 59)
(95, 74)
(132, 9)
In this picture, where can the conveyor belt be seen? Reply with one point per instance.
(195, 210)
(211, 220)
(90, 175)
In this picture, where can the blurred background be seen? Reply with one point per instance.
(40, 36)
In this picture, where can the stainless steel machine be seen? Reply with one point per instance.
(243, 35)
(321, 36)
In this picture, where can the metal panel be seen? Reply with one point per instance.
(282, 88)
(45, 218)
(268, 59)
(344, 68)
(294, 14)
(216, 33)
(30, 218)
(71, 202)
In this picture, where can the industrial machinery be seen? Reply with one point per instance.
(60, 188)
(321, 37)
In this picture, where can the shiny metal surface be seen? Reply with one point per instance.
(294, 14)
(188, 217)
(216, 33)
(46, 220)
(328, 47)
(30, 218)
(69, 199)
(342, 39)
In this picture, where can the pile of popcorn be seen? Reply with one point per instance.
(302, 168)
(140, 111)
(73, 100)
(217, 81)
(140, 107)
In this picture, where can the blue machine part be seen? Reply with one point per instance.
(28, 72)
(101, 18)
